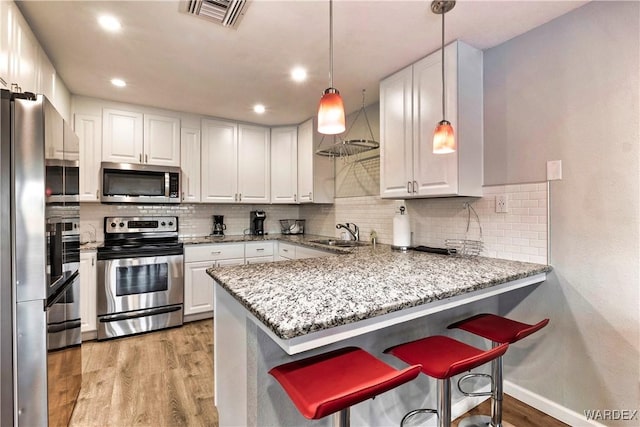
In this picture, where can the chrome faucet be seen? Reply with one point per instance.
(355, 233)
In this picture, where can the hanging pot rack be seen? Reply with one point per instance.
(351, 146)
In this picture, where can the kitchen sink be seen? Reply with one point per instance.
(339, 243)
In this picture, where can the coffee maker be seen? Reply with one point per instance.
(218, 225)
(256, 222)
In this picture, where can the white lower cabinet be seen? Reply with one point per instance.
(198, 286)
(88, 283)
(286, 251)
(290, 251)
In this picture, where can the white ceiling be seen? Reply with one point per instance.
(177, 61)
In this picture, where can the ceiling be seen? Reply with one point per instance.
(181, 62)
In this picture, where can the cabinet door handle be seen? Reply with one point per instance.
(240, 197)
(310, 198)
(285, 250)
(97, 194)
(409, 187)
(415, 186)
(295, 198)
(93, 260)
(146, 158)
(183, 195)
(140, 158)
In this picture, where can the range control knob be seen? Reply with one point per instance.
(113, 225)
(121, 224)
(163, 223)
(170, 223)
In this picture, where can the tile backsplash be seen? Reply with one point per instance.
(194, 219)
(520, 234)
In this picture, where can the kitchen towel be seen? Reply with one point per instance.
(401, 229)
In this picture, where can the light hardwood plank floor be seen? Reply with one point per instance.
(162, 378)
(165, 378)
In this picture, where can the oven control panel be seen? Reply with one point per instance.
(155, 224)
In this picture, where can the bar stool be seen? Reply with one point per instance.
(331, 383)
(443, 357)
(499, 330)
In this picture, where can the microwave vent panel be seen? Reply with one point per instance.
(225, 12)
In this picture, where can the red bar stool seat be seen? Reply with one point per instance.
(331, 383)
(499, 330)
(441, 358)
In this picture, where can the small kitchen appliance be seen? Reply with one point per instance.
(218, 225)
(256, 222)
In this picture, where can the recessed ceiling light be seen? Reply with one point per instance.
(259, 108)
(109, 23)
(299, 74)
(118, 82)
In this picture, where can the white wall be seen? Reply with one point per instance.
(569, 90)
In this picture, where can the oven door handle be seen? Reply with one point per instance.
(139, 313)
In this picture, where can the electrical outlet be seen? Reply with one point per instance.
(501, 203)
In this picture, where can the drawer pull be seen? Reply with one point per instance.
(216, 253)
(260, 249)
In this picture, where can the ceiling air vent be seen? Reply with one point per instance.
(225, 12)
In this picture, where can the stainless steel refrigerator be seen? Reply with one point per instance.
(40, 340)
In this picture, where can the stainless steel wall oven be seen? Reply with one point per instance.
(140, 276)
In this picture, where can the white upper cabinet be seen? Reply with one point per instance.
(122, 136)
(253, 164)
(235, 163)
(316, 182)
(132, 137)
(284, 164)
(396, 134)
(23, 60)
(219, 161)
(190, 164)
(161, 140)
(410, 108)
(89, 131)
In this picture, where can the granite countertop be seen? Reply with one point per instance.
(89, 246)
(298, 239)
(297, 297)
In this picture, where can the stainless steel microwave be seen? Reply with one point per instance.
(131, 183)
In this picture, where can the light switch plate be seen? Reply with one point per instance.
(554, 170)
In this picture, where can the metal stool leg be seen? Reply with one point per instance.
(498, 394)
(444, 403)
(342, 418)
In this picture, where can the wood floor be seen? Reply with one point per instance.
(157, 379)
(165, 378)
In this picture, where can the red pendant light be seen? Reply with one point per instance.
(444, 141)
(331, 117)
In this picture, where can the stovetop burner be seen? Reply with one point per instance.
(140, 236)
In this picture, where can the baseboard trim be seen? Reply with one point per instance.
(198, 316)
(547, 406)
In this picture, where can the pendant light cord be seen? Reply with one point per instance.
(331, 43)
(443, 115)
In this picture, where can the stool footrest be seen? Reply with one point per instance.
(417, 411)
(477, 393)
